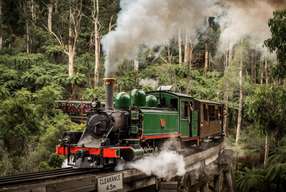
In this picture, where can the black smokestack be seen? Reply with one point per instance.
(109, 84)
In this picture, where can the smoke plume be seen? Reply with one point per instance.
(155, 22)
(150, 23)
(246, 18)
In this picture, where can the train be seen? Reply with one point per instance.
(130, 126)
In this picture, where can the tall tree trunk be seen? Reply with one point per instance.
(253, 67)
(266, 72)
(186, 49)
(226, 95)
(70, 46)
(33, 10)
(190, 56)
(266, 149)
(180, 47)
(96, 42)
(56, 6)
(29, 17)
(1, 33)
(50, 15)
(261, 70)
(206, 58)
(266, 145)
(169, 55)
(225, 114)
(71, 63)
(27, 36)
(239, 118)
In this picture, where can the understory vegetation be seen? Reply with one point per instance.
(34, 74)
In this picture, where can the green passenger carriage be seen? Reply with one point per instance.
(179, 115)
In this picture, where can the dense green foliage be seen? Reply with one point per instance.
(277, 43)
(34, 73)
(270, 114)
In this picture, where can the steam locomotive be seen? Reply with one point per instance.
(138, 124)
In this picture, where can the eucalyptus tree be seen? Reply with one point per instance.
(67, 39)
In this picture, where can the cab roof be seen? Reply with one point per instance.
(186, 96)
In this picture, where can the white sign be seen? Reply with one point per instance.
(110, 183)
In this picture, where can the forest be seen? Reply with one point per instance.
(58, 50)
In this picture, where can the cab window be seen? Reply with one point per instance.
(184, 110)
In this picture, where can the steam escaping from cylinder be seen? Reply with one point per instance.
(166, 164)
(151, 23)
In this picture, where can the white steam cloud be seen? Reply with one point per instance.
(166, 164)
(151, 23)
(245, 21)
(155, 22)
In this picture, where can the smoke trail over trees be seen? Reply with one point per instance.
(152, 23)
(246, 18)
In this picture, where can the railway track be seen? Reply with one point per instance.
(44, 175)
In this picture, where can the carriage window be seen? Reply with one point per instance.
(205, 112)
(212, 113)
(174, 104)
(184, 110)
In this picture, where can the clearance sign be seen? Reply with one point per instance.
(110, 183)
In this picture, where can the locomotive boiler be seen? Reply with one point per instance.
(131, 125)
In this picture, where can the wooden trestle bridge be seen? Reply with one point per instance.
(207, 170)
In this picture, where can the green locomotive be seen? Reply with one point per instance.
(137, 123)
